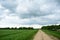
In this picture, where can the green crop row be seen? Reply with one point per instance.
(17, 34)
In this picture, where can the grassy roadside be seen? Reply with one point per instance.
(54, 33)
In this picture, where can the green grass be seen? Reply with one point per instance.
(54, 33)
(17, 34)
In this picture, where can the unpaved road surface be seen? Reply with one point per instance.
(42, 36)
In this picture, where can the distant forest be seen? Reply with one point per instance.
(52, 27)
(18, 28)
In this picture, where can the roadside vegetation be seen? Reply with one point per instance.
(52, 30)
(54, 33)
(17, 33)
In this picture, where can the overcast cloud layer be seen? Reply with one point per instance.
(29, 12)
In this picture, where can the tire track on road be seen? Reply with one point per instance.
(42, 36)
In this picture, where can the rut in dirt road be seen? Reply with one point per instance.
(42, 36)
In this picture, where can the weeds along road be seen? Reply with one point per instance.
(42, 36)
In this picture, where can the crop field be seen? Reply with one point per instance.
(54, 33)
(17, 34)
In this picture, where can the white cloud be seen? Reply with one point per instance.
(1, 7)
(21, 9)
(29, 12)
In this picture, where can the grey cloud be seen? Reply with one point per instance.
(40, 22)
(38, 9)
(0, 18)
(9, 5)
(35, 10)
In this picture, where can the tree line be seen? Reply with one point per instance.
(51, 27)
(18, 28)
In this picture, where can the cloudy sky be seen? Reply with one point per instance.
(29, 12)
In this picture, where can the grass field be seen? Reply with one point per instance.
(17, 34)
(54, 33)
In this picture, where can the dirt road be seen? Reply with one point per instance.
(42, 36)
